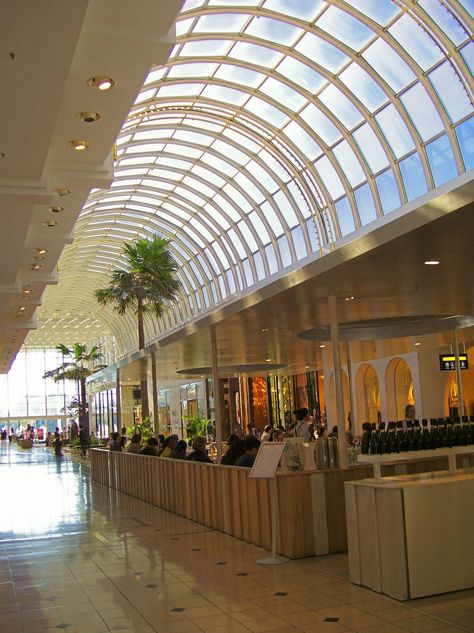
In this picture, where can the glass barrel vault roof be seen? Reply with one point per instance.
(278, 127)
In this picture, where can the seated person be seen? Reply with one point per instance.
(237, 447)
(199, 454)
(151, 447)
(114, 443)
(135, 444)
(252, 444)
(169, 445)
(179, 451)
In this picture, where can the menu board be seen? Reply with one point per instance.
(267, 460)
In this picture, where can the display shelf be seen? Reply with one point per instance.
(450, 453)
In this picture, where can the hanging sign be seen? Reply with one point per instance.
(447, 362)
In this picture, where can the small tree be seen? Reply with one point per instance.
(77, 368)
(146, 285)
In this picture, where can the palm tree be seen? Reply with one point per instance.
(147, 285)
(77, 368)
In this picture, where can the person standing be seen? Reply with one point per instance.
(83, 441)
(57, 443)
(302, 428)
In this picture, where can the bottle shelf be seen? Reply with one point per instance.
(387, 458)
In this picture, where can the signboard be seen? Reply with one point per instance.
(447, 362)
(267, 460)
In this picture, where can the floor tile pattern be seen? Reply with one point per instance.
(80, 558)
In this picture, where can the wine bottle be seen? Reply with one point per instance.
(425, 435)
(374, 441)
(417, 436)
(409, 437)
(471, 429)
(449, 434)
(365, 441)
(399, 438)
(465, 431)
(433, 433)
(382, 439)
(456, 432)
(441, 434)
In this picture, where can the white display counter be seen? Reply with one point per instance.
(410, 536)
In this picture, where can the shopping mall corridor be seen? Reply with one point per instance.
(78, 557)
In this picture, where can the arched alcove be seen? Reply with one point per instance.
(367, 394)
(399, 388)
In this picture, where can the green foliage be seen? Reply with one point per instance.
(148, 282)
(76, 367)
(196, 426)
(144, 428)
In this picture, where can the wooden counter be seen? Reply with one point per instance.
(311, 506)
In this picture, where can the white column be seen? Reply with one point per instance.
(118, 399)
(353, 428)
(217, 399)
(336, 357)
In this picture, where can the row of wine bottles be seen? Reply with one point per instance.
(398, 437)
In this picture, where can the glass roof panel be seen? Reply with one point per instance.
(183, 26)
(416, 41)
(321, 52)
(388, 191)
(413, 177)
(371, 148)
(381, 12)
(344, 216)
(273, 30)
(451, 92)
(320, 123)
(344, 27)
(329, 177)
(236, 74)
(350, 163)
(263, 176)
(249, 187)
(192, 69)
(221, 23)
(465, 135)
(337, 103)
(440, 156)
(227, 95)
(364, 87)
(208, 175)
(395, 130)
(302, 140)
(242, 140)
(445, 20)
(303, 9)
(205, 48)
(422, 112)
(278, 91)
(365, 204)
(224, 147)
(301, 74)
(468, 55)
(388, 64)
(219, 163)
(266, 112)
(256, 54)
(272, 218)
(468, 5)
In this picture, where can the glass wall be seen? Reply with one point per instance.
(26, 395)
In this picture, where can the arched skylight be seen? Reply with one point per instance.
(279, 127)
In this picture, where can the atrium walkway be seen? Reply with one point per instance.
(77, 557)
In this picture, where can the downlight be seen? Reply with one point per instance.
(89, 117)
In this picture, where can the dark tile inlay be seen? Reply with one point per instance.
(222, 562)
(281, 593)
(331, 620)
(151, 586)
(178, 609)
(242, 573)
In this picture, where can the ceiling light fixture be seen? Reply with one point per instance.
(79, 144)
(88, 117)
(62, 191)
(21, 308)
(101, 83)
(431, 262)
(41, 251)
(349, 298)
(56, 209)
(268, 360)
(50, 223)
(417, 343)
(321, 346)
(27, 290)
(264, 329)
(35, 266)
(39, 258)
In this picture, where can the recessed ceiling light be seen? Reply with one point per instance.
(349, 298)
(432, 262)
(62, 191)
(56, 209)
(27, 290)
(39, 258)
(306, 366)
(101, 83)
(79, 144)
(321, 346)
(268, 360)
(21, 308)
(50, 223)
(417, 343)
(41, 251)
(35, 266)
(264, 329)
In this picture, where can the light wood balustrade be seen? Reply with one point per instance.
(311, 505)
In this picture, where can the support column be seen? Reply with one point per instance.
(118, 399)
(154, 394)
(336, 356)
(458, 373)
(217, 395)
(353, 427)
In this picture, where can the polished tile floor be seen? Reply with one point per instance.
(80, 558)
